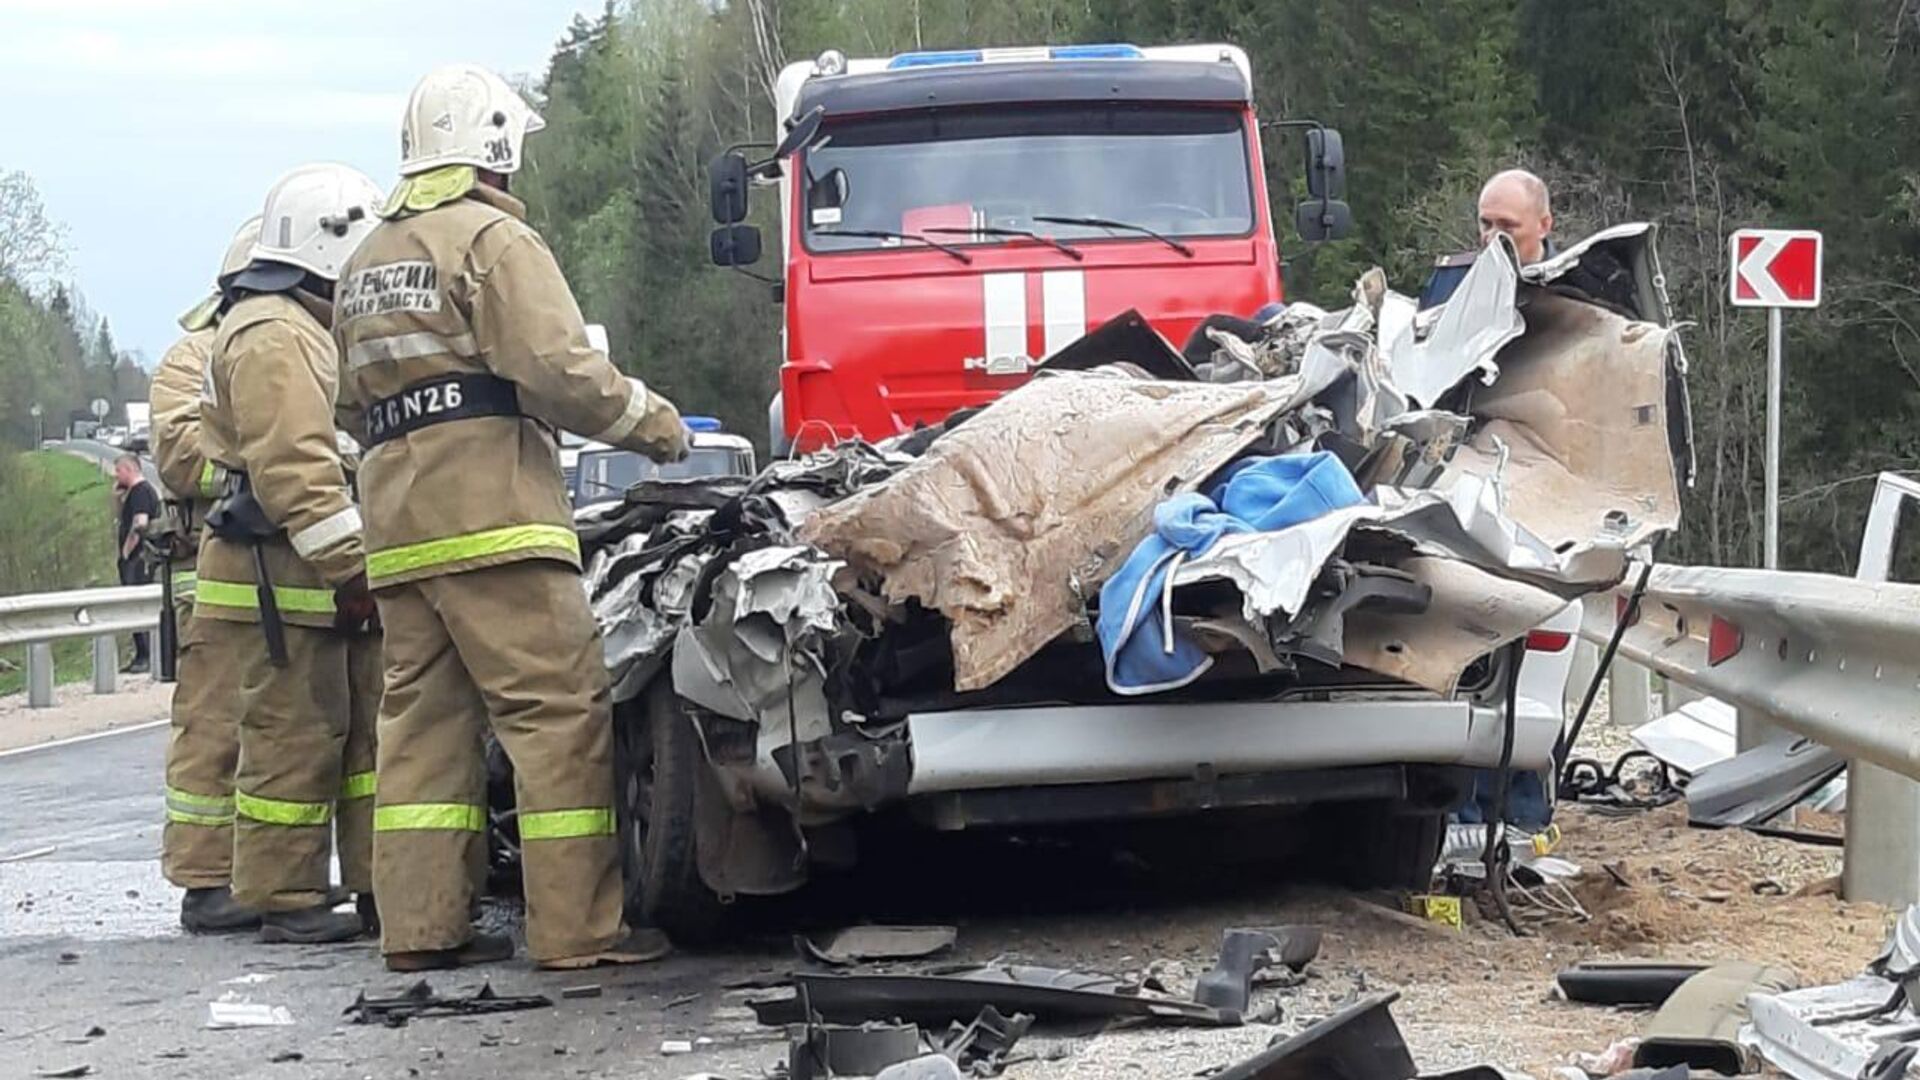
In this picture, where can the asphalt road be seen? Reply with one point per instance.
(89, 942)
(91, 928)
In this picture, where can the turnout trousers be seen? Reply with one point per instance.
(513, 646)
(353, 819)
(294, 723)
(196, 846)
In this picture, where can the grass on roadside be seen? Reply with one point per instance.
(72, 662)
(56, 532)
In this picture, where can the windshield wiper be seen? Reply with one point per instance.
(994, 230)
(882, 234)
(1109, 223)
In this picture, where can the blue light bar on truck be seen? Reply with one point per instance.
(976, 56)
(701, 423)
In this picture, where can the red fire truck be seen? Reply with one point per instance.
(950, 219)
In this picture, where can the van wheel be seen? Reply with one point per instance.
(656, 763)
(1383, 846)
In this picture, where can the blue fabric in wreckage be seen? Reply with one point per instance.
(1144, 652)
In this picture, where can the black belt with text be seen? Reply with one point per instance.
(436, 401)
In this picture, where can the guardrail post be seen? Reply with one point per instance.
(1882, 861)
(1751, 729)
(39, 675)
(1629, 693)
(106, 663)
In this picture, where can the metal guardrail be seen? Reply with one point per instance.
(1831, 658)
(37, 620)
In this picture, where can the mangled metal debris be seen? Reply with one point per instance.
(1360, 1042)
(1372, 501)
(1244, 954)
(1865, 1027)
(959, 995)
(419, 1000)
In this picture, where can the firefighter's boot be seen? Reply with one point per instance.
(638, 947)
(482, 948)
(317, 925)
(214, 911)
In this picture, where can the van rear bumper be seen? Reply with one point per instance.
(982, 749)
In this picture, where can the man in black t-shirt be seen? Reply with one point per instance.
(139, 504)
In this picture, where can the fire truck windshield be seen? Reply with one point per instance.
(1177, 170)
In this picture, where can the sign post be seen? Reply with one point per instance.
(1775, 269)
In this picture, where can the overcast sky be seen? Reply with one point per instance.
(154, 127)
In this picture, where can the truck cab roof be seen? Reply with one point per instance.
(1186, 73)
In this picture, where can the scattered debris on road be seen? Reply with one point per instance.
(867, 943)
(819, 1051)
(960, 994)
(419, 1000)
(231, 1011)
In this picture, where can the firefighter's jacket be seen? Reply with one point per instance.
(436, 301)
(267, 410)
(191, 478)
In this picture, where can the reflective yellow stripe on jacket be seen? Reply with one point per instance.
(183, 582)
(209, 480)
(236, 594)
(409, 558)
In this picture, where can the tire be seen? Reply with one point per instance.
(657, 760)
(1385, 845)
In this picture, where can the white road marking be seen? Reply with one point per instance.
(58, 743)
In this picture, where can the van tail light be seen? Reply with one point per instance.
(1548, 640)
(1724, 640)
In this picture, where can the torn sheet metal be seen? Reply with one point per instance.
(1471, 613)
(1828, 1032)
(1011, 521)
(1470, 329)
(1575, 431)
(757, 648)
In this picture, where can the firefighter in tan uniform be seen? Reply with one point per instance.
(196, 848)
(464, 346)
(281, 566)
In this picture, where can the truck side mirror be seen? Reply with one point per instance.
(734, 245)
(1323, 219)
(1326, 164)
(727, 188)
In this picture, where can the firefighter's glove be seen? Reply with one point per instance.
(353, 607)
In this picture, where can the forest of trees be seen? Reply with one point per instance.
(54, 351)
(1701, 115)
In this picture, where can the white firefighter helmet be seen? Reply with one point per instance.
(240, 250)
(315, 216)
(463, 114)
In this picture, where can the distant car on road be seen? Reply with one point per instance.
(603, 473)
